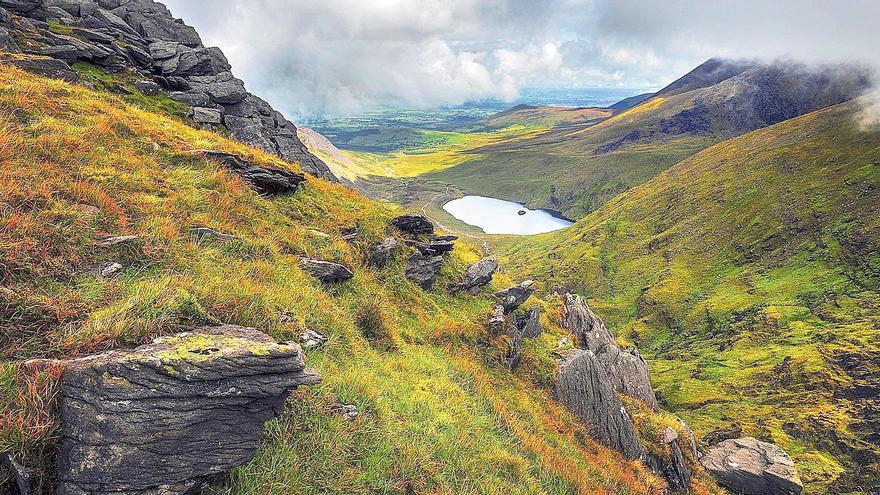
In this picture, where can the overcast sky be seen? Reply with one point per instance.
(319, 57)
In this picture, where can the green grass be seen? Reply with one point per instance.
(746, 274)
(439, 412)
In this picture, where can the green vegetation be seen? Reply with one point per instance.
(749, 274)
(439, 413)
(122, 84)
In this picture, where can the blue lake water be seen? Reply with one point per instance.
(496, 216)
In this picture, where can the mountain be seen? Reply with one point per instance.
(575, 171)
(138, 41)
(631, 101)
(749, 275)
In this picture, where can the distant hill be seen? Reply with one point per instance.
(750, 274)
(631, 101)
(576, 170)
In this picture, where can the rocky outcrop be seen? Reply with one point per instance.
(413, 224)
(168, 417)
(422, 269)
(529, 324)
(267, 181)
(44, 66)
(326, 271)
(437, 245)
(673, 467)
(752, 467)
(514, 297)
(582, 386)
(478, 275)
(142, 36)
(626, 368)
(381, 253)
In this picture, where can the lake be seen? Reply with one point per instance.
(496, 216)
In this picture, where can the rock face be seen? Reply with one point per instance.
(422, 269)
(478, 275)
(674, 468)
(584, 389)
(143, 36)
(169, 416)
(413, 224)
(264, 180)
(529, 324)
(44, 66)
(513, 297)
(751, 467)
(626, 368)
(326, 271)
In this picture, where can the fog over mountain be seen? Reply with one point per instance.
(346, 56)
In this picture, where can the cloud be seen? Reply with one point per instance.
(346, 56)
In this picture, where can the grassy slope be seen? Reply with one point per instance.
(750, 275)
(438, 412)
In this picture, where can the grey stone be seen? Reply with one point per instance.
(43, 66)
(7, 42)
(161, 50)
(170, 416)
(497, 321)
(203, 233)
(226, 92)
(326, 271)
(205, 115)
(529, 324)
(413, 224)
(752, 467)
(382, 252)
(347, 411)
(513, 297)
(105, 242)
(437, 245)
(107, 270)
(478, 275)
(264, 180)
(25, 479)
(422, 270)
(582, 387)
(626, 368)
(20, 6)
(311, 339)
(149, 88)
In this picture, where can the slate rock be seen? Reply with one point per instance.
(478, 275)
(422, 270)
(626, 368)
(673, 467)
(310, 339)
(752, 467)
(497, 321)
(382, 252)
(326, 271)
(264, 180)
(513, 297)
(205, 115)
(116, 240)
(107, 270)
(202, 233)
(20, 6)
(23, 479)
(44, 66)
(582, 386)
(167, 417)
(529, 324)
(149, 88)
(227, 92)
(347, 411)
(413, 224)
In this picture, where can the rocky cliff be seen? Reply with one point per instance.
(141, 37)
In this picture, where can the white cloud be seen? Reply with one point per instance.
(342, 56)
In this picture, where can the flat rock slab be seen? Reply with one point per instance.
(413, 224)
(513, 297)
(478, 275)
(326, 271)
(168, 417)
(752, 467)
(264, 180)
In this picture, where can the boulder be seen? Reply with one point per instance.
(382, 252)
(226, 92)
(20, 6)
(170, 416)
(497, 321)
(205, 115)
(264, 180)
(751, 467)
(674, 467)
(582, 386)
(326, 271)
(529, 324)
(413, 224)
(626, 368)
(147, 87)
(478, 275)
(513, 297)
(44, 66)
(422, 270)
(437, 245)
(115, 240)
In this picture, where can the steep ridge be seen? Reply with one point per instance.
(576, 171)
(120, 225)
(140, 37)
(749, 276)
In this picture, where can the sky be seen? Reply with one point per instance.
(313, 58)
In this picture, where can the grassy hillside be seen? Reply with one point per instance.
(750, 276)
(439, 413)
(577, 170)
